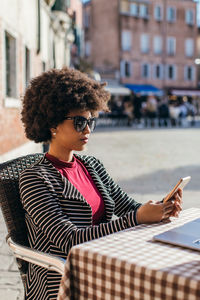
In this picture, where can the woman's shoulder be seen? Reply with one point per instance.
(41, 166)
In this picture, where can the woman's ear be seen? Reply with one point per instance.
(53, 131)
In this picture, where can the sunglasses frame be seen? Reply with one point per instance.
(87, 122)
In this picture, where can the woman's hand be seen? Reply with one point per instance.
(177, 201)
(152, 212)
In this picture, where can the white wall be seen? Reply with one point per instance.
(21, 16)
(45, 34)
(20, 19)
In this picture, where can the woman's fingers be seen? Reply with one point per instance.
(168, 206)
(178, 196)
(177, 202)
(178, 206)
(168, 210)
(172, 207)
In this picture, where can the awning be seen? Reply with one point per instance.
(118, 90)
(190, 93)
(144, 89)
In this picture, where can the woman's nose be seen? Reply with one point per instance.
(87, 129)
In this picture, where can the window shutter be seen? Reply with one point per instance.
(144, 40)
(189, 47)
(185, 73)
(122, 68)
(126, 40)
(174, 72)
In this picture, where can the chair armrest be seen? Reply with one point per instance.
(39, 258)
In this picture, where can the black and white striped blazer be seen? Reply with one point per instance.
(58, 217)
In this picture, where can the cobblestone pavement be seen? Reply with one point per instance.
(146, 163)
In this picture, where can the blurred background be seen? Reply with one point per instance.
(148, 52)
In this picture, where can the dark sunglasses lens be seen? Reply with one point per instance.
(80, 123)
(92, 124)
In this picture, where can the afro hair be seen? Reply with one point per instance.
(51, 96)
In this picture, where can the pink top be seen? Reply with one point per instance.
(78, 175)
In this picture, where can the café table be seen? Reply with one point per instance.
(130, 265)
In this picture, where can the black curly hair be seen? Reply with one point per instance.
(51, 96)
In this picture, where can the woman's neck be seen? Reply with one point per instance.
(61, 154)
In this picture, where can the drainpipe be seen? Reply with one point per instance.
(119, 39)
(39, 27)
(164, 34)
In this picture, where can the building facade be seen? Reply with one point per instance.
(35, 35)
(77, 15)
(143, 41)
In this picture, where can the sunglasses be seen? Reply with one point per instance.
(80, 123)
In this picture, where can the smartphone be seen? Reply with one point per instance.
(181, 184)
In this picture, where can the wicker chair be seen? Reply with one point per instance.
(15, 221)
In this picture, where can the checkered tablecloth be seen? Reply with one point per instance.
(130, 265)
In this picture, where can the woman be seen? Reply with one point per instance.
(70, 198)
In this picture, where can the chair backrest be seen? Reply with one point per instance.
(11, 206)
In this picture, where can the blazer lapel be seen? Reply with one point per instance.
(68, 190)
(108, 201)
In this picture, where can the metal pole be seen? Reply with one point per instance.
(164, 34)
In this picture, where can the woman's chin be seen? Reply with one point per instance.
(81, 148)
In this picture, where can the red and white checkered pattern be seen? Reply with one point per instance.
(129, 265)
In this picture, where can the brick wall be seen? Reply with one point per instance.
(180, 30)
(12, 133)
(105, 34)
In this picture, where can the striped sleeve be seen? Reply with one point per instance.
(42, 206)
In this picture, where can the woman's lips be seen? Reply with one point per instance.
(84, 140)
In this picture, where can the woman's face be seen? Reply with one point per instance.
(66, 138)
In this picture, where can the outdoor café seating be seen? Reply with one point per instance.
(14, 217)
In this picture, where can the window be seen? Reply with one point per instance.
(157, 44)
(134, 9)
(189, 73)
(158, 14)
(124, 7)
(189, 47)
(158, 71)
(86, 20)
(171, 46)
(125, 68)
(144, 43)
(27, 66)
(171, 14)
(189, 17)
(171, 72)
(87, 48)
(10, 53)
(145, 70)
(143, 11)
(126, 40)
